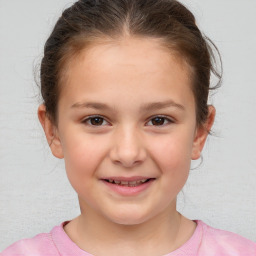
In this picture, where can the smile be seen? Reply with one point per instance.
(126, 183)
(128, 186)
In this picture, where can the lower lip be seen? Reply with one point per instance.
(129, 191)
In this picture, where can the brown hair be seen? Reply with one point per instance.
(88, 21)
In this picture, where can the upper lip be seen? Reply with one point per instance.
(134, 178)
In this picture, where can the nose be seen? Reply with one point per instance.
(128, 149)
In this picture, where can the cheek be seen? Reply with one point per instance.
(175, 167)
(82, 158)
(172, 152)
(173, 156)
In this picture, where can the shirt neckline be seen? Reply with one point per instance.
(67, 247)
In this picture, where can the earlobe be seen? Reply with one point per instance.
(50, 131)
(202, 133)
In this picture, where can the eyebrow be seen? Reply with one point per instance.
(95, 105)
(161, 105)
(146, 107)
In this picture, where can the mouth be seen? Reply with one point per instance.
(128, 183)
(128, 186)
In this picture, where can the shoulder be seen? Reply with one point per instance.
(40, 245)
(224, 243)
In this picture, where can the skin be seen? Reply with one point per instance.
(127, 76)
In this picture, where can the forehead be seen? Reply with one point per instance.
(130, 64)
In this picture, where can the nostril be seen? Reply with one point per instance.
(127, 153)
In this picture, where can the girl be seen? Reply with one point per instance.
(125, 85)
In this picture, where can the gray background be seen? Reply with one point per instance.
(34, 192)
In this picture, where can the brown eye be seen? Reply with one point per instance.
(95, 121)
(159, 121)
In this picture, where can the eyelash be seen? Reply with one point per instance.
(86, 120)
(166, 119)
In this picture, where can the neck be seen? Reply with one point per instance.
(157, 236)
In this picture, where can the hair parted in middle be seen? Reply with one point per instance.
(90, 22)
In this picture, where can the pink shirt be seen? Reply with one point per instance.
(206, 241)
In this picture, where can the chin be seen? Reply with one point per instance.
(130, 218)
(129, 222)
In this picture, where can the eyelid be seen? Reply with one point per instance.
(88, 118)
(168, 118)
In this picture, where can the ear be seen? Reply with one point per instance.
(50, 131)
(202, 133)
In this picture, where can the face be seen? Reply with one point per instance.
(127, 129)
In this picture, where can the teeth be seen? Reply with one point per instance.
(128, 183)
